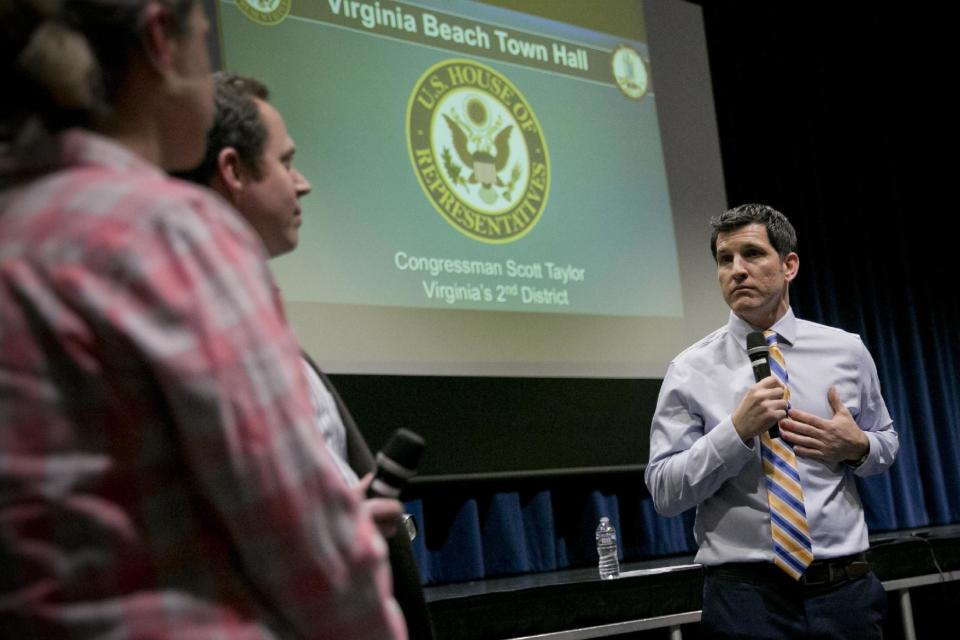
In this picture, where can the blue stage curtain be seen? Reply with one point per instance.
(514, 532)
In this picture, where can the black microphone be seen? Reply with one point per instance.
(759, 351)
(396, 464)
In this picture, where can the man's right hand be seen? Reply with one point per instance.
(387, 513)
(761, 408)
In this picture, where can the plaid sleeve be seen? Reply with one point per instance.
(198, 302)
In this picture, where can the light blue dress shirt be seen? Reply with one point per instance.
(698, 460)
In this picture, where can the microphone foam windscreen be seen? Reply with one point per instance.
(405, 448)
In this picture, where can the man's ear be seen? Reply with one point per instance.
(158, 44)
(791, 266)
(230, 170)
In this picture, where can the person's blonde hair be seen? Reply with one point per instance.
(62, 61)
(57, 58)
(49, 69)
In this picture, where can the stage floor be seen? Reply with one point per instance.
(648, 594)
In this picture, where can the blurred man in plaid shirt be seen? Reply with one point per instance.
(160, 475)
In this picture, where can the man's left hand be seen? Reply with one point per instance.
(833, 440)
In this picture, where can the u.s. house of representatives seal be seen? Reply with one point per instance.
(478, 151)
(629, 71)
(267, 12)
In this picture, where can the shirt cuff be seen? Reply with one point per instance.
(856, 464)
(728, 444)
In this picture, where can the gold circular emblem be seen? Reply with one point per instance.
(268, 12)
(478, 151)
(629, 71)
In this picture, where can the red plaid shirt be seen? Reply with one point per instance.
(159, 475)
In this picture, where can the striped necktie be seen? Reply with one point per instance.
(792, 548)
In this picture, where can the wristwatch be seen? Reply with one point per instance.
(856, 463)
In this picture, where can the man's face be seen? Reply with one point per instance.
(189, 113)
(753, 278)
(271, 203)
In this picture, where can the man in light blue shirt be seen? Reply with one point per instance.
(705, 450)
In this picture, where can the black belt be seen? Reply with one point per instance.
(819, 573)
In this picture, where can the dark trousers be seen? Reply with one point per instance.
(758, 601)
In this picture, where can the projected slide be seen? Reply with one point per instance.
(463, 156)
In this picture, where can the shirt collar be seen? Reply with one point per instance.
(83, 147)
(786, 328)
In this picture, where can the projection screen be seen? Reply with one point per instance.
(494, 192)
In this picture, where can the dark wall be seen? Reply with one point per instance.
(478, 426)
(841, 115)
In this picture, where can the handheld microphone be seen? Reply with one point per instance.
(396, 464)
(759, 351)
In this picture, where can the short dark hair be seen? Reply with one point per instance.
(780, 232)
(237, 124)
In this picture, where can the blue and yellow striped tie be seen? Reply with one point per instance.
(792, 548)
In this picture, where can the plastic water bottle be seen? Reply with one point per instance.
(607, 550)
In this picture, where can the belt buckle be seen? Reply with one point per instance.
(829, 573)
(837, 572)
